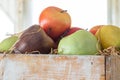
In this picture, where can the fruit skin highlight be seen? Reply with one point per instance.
(109, 35)
(7, 43)
(54, 21)
(81, 42)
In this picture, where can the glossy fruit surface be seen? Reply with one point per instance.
(81, 42)
(54, 21)
(109, 35)
(33, 39)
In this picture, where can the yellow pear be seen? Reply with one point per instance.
(109, 35)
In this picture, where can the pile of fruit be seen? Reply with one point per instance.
(55, 35)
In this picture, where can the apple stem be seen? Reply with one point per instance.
(63, 11)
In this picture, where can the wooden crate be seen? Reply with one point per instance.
(112, 69)
(58, 67)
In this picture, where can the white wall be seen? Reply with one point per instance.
(6, 25)
(84, 13)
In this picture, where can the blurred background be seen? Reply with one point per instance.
(17, 15)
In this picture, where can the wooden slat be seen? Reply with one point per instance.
(1, 66)
(52, 67)
(113, 67)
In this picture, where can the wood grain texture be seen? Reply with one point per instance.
(113, 67)
(52, 67)
(1, 66)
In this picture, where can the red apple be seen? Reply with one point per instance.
(55, 21)
(94, 29)
(71, 30)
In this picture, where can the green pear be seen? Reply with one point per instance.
(7, 43)
(81, 42)
(109, 35)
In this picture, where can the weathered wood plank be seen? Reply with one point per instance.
(113, 67)
(53, 67)
(1, 66)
